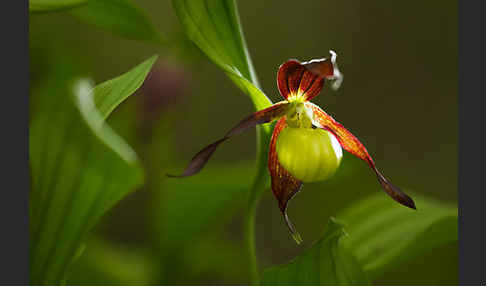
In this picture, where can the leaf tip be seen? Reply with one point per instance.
(153, 58)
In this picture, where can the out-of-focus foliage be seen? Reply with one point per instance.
(109, 263)
(214, 255)
(382, 235)
(113, 263)
(53, 5)
(80, 169)
(199, 204)
(121, 17)
(327, 262)
(187, 222)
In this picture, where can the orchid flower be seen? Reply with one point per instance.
(306, 142)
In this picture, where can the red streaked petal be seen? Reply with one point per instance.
(307, 78)
(351, 144)
(263, 116)
(293, 78)
(311, 85)
(284, 185)
(290, 67)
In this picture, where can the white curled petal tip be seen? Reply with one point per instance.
(337, 77)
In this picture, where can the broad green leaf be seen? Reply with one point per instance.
(121, 17)
(382, 234)
(214, 26)
(53, 5)
(110, 93)
(186, 208)
(80, 168)
(326, 263)
(108, 263)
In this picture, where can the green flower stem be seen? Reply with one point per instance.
(260, 183)
(250, 244)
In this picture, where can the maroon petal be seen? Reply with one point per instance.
(263, 116)
(284, 185)
(199, 160)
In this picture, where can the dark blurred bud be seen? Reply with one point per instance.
(164, 87)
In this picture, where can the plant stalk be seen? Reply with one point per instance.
(259, 185)
(250, 244)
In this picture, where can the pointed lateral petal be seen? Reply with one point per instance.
(263, 116)
(326, 68)
(351, 144)
(284, 185)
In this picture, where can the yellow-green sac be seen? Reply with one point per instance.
(308, 154)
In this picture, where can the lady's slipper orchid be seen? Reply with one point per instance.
(306, 142)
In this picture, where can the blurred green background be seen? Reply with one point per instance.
(399, 96)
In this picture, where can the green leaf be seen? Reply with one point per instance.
(80, 168)
(110, 93)
(189, 207)
(121, 17)
(215, 28)
(326, 263)
(383, 234)
(53, 5)
(109, 263)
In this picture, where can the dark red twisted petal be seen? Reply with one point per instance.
(307, 78)
(326, 68)
(263, 116)
(351, 144)
(284, 185)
